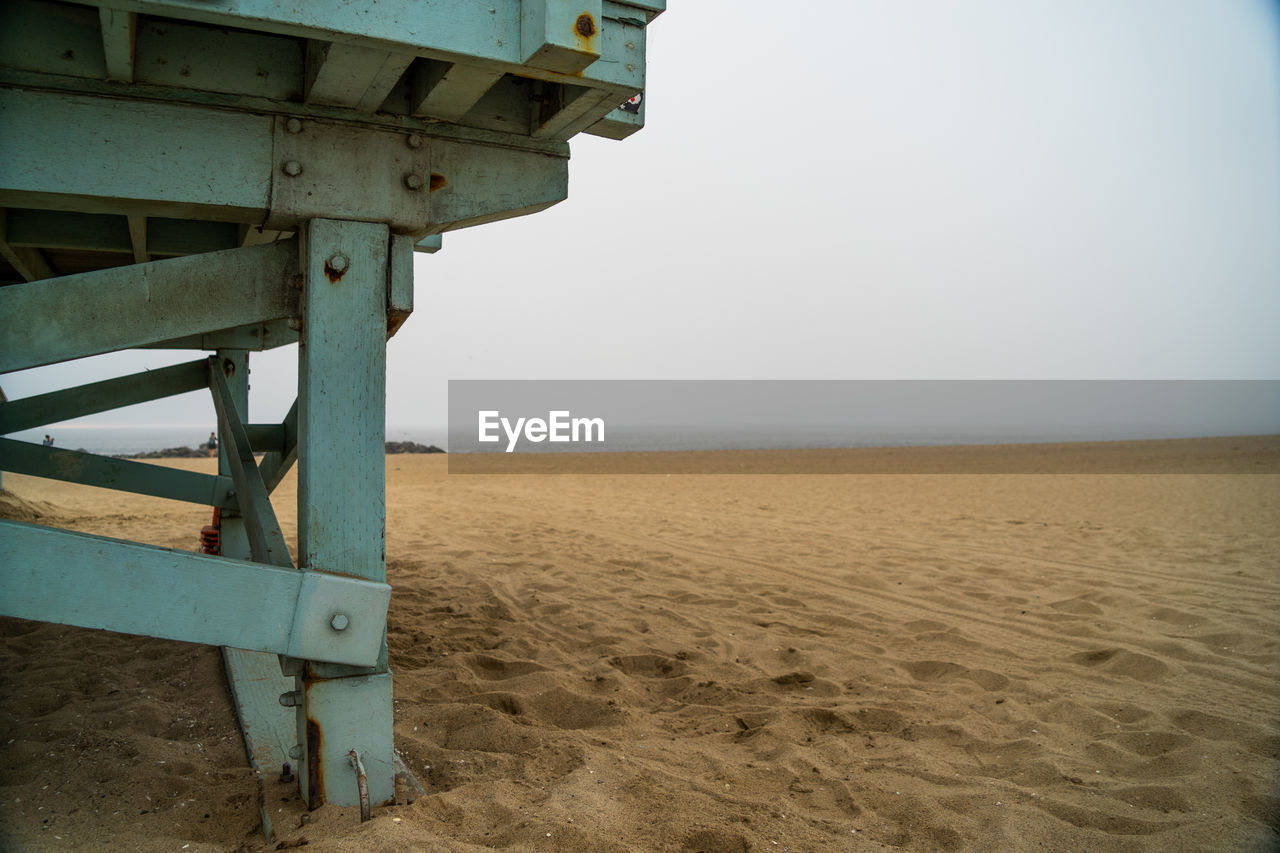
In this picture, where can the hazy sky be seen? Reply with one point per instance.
(894, 189)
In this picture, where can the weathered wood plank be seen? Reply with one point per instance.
(103, 396)
(54, 575)
(132, 306)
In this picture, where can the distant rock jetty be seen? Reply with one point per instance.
(411, 447)
(192, 453)
(167, 453)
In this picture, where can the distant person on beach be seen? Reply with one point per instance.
(212, 444)
(48, 441)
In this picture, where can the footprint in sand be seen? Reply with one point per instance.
(497, 669)
(1123, 662)
(648, 666)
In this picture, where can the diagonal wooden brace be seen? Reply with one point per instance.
(74, 578)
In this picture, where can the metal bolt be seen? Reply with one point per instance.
(286, 773)
(293, 125)
(291, 699)
(414, 140)
(295, 751)
(231, 493)
(413, 182)
(292, 168)
(339, 622)
(337, 263)
(295, 323)
(304, 819)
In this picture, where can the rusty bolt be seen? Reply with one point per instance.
(295, 323)
(339, 622)
(293, 125)
(286, 773)
(292, 168)
(337, 262)
(414, 140)
(297, 281)
(304, 819)
(413, 182)
(291, 699)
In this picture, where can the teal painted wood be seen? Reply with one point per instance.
(560, 35)
(56, 229)
(132, 306)
(76, 579)
(430, 244)
(62, 151)
(28, 262)
(482, 184)
(348, 171)
(446, 29)
(343, 170)
(619, 124)
(352, 76)
(102, 396)
(255, 678)
(399, 283)
(255, 337)
(88, 469)
(266, 541)
(341, 488)
(448, 90)
(348, 712)
(119, 38)
(341, 399)
(137, 236)
(276, 464)
(267, 728)
(578, 109)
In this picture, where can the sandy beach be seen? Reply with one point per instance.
(752, 662)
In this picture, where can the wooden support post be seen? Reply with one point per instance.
(341, 494)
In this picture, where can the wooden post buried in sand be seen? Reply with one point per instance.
(199, 205)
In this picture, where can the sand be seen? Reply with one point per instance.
(722, 663)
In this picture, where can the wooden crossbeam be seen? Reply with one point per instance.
(119, 39)
(29, 263)
(345, 75)
(266, 541)
(103, 396)
(74, 578)
(447, 90)
(125, 475)
(136, 305)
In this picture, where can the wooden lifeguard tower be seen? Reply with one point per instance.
(230, 176)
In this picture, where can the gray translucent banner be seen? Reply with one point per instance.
(856, 426)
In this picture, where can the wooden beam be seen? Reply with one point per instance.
(119, 40)
(138, 238)
(447, 90)
(266, 541)
(124, 475)
(29, 263)
(79, 315)
(561, 36)
(54, 575)
(344, 75)
(484, 34)
(570, 109)
(96, 397)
